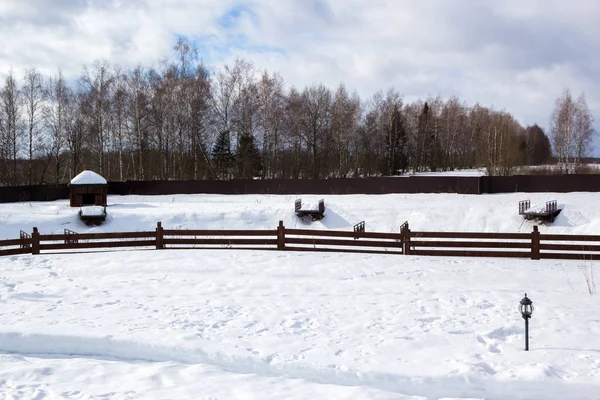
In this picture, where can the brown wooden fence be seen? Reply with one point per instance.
(374, 185)
(532, 245)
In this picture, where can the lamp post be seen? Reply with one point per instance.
(526, 309)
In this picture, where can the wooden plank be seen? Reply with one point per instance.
(225, 241)
(538, 213)
(183, 232)
(349, 234)
(469, 253)
(571, 238)
(14, 242)
(570, 256)
(338, 242)
(103, 235)
(469, 235)
(570, 247)
(95, 245)
(12, 252)
(330, 250)
(494, 245)
(301, 213)
(182, 247)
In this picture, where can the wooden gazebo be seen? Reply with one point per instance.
(88, 189)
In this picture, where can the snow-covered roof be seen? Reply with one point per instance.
(88, 177)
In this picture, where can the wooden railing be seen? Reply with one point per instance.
(532, 245)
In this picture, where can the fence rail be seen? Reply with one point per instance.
(532, 245)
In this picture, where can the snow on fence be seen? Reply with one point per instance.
(532, 245)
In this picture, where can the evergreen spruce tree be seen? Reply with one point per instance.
(422, 133)
(396, 144)
(435, 149)
(430, 149)
(247, 158)
(221, 154)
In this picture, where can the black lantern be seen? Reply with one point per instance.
(526, 309)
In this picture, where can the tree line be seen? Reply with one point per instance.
(183, 121)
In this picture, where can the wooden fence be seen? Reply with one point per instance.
(532, 245)
(372, 185)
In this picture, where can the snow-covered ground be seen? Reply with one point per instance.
(223, 324)
(557, 168)
(459, 172)
(382, 213)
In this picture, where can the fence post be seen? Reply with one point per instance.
(35, 241)
(281, 236)
(159, 236)
(405, 239)
(535, 243)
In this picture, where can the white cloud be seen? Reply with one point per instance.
(514, 54)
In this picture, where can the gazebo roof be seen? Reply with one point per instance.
(88, 177)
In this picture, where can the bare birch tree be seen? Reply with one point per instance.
(118, 113)
(583, 131)
(345, 118)
(98, 82)
(138, 110)
(572, 130)
(12, 124)
(270, 113)
(75, 131)
(55, 114)
(562, 126)
(227, 87)
(33, 96)
(316, 124)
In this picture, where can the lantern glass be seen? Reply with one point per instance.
(526, 307)
(526, 310)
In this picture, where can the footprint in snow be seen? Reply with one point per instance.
(484, 367)
(504, 334)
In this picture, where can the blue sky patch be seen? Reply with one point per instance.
(231, 18)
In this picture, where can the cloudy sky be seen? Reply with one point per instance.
(516, 55)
